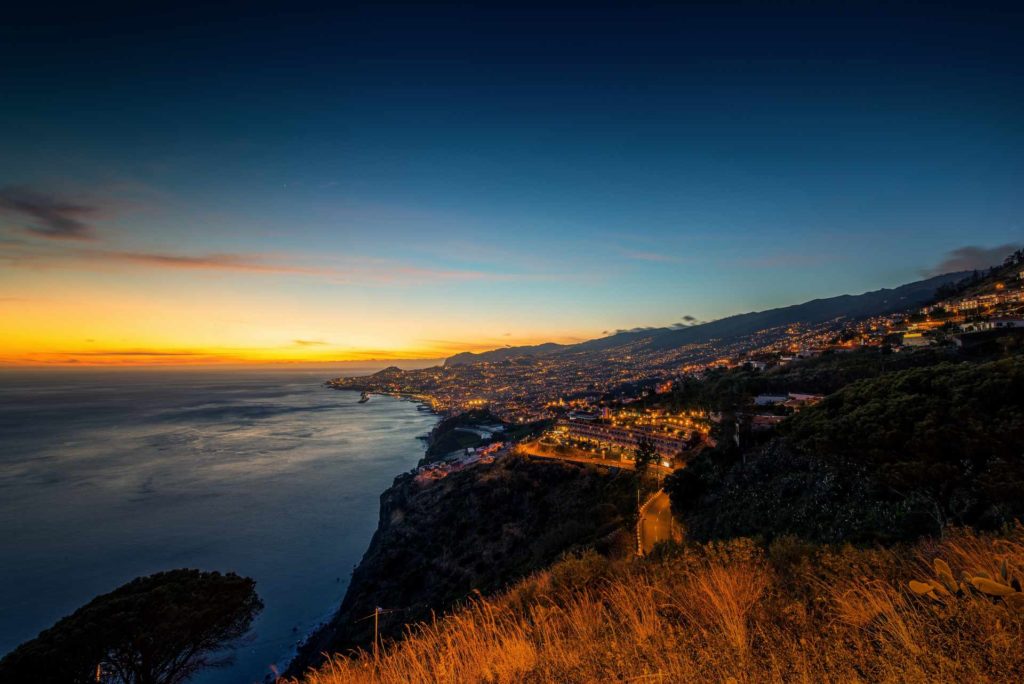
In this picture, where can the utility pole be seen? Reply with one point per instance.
(639, 523)
(377, 612)
(376, 631)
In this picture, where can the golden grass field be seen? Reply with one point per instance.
(726, 613)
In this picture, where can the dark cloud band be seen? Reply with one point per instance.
(972, 258)
(45, 215)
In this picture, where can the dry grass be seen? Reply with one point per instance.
(721, 613)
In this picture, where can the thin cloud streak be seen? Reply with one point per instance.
(365, 271)
(133, 352)
(44, 215)
(971, 258)
(652, 256)
(786, 260)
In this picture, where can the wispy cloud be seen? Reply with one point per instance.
(46, 215)
(786, 260)
(65, 223)
(215, 262)
(970, 258)
(135, 352)
(657, 257)
(620, 331)
(352, 270)
(687, 321)
(309, 343)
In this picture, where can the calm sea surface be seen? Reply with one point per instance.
(105, 476)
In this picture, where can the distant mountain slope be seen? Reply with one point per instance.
(875, 303)
(505, 353)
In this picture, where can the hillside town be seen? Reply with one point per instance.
(527, 389)
(605, 404)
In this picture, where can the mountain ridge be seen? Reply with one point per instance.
(871, 303)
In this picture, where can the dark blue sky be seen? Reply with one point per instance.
(577, 167)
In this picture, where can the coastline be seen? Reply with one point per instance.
(421, 400)
(287, 661)
(423, 403)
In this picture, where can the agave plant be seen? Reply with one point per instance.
(945, 587)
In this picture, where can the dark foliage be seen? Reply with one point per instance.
(644, 456)
(447, 437)
(159, 629)
(823, 374)
(889, 458)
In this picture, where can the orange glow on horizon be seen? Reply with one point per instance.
(166, 317)
(135, 332)
(197, 357)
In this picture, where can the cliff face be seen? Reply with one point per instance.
(476, 530)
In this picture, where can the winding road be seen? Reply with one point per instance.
(656, 523)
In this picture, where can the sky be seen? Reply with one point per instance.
(287, 183)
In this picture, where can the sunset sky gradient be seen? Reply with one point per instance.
(267, 183)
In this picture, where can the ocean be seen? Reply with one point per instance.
(108, 475)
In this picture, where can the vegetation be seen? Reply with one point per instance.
(644, 456)
(724, 612)
(474, 532)
(889, 458)
(450, 434)
(981, 279)
(159, 629)
(825, 374)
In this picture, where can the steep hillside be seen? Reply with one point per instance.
(474, 531)
(888, 458)
(728, 613)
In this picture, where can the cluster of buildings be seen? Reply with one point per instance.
(1001, 294)
(671, 434)
(973, 319)
(441, 469)
(793, 402)
(529, 389)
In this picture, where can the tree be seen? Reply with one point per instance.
(159, 629)
(645, 455)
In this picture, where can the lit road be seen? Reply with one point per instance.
(656, 522)
(536, 450)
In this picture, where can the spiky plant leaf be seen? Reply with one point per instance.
(991, 587)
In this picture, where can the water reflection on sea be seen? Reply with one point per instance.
(105, 476)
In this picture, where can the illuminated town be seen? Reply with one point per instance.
(589, 401)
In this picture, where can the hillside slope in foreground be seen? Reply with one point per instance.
(731, 612)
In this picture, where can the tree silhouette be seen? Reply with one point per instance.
(159, 629)
(645, 455)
